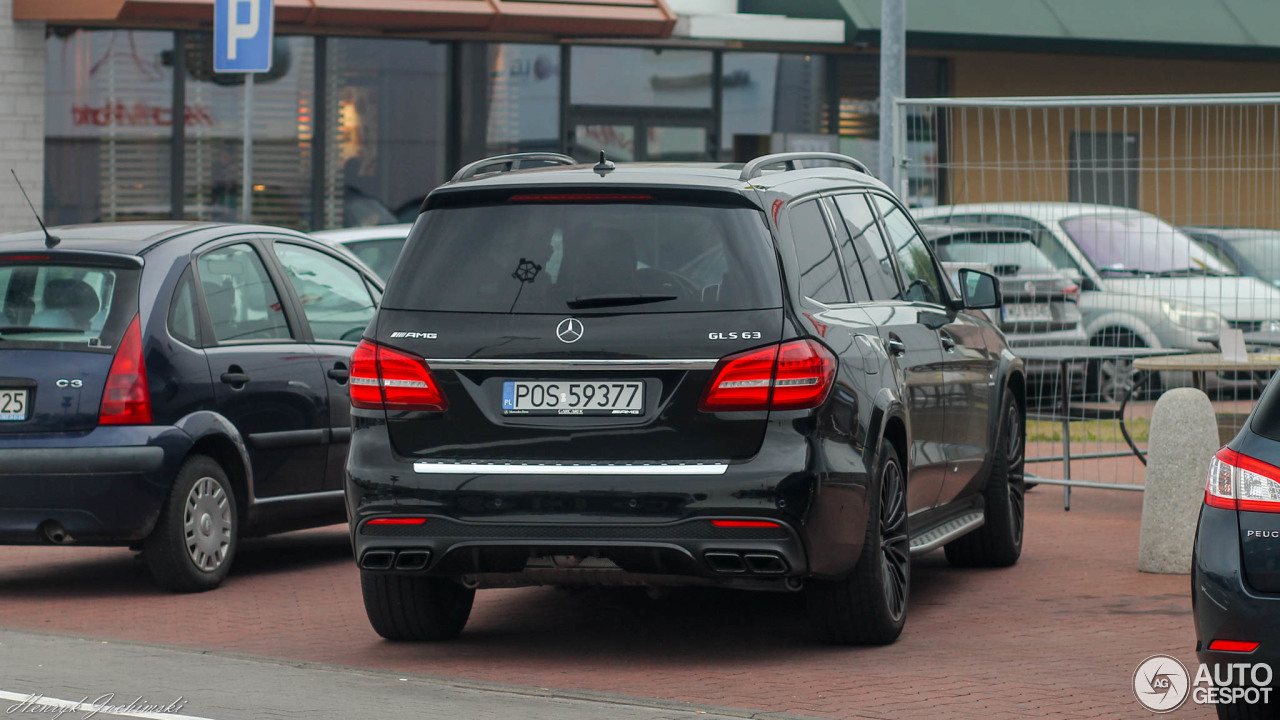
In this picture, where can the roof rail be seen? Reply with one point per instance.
(756, 167)
(510, 162)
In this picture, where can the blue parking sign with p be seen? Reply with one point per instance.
(242, 35)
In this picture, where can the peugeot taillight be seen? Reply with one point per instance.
(126, 398)
(386, 379)
(1239, 482)
(791, 376)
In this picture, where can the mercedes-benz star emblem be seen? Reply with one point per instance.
(569, 330)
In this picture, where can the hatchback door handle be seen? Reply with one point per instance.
(339, 373)
(896, 347)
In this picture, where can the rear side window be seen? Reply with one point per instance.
(45, 302)
(819, 268)
(242, 302)
(182, 312)
(557, 257)
(870, 252)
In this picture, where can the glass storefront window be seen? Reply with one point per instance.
(108, 125)
(639, 77)
(766, 93)
(388, 104)
(283, 126)
(510, 99)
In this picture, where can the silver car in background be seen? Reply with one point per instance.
(1143, 282)
(377, 246)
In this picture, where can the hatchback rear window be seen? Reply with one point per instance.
(44, 303)
(556, 257)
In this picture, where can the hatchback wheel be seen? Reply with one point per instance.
(195, 538)
(998, 543)
(406, 607)
(869, 606)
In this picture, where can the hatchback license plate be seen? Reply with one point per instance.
(1027, 312)
(572, 398)
(13, 405)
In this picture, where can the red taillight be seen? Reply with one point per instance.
(382, 378)
(23, 258)
(1239, 482)
(126, 399)
(744, 524)
(792, 376)
(397, 521)
(1239, 646)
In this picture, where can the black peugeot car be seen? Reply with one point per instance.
(174, 387)
(665, 374)
(1235, 573)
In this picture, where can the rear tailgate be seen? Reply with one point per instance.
(62, 316)
(537, 313)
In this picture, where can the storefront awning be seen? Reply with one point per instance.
(558, 18)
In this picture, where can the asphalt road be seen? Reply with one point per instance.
(46, 676)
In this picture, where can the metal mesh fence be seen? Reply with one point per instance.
(1120, 228)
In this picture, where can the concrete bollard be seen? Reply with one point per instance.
(1184, 437)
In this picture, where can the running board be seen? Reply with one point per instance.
(947, 532)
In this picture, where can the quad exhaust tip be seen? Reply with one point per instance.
(740, 563)
(405, 560)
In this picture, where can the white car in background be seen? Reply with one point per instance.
(1143, 282)
(377, 246)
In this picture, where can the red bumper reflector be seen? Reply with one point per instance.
(1239, 646)
(744, 524)
(396, 521)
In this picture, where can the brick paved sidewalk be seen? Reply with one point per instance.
(1058, 636)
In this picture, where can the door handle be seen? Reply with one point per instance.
(948, 342)
(896, 347)
(339, 372)
(235, 376)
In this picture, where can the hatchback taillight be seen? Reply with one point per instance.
(386, 379)
(792, 376)
(126, 398)
(1239, 482)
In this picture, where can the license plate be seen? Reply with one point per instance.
(1027, 312)
(521, 397)
(13, 405)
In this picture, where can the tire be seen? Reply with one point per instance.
(202, 503)
(1110, 380)
(407, 607)
(869, 605)
(998, 543)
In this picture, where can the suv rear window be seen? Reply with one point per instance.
(557, 257)
(44, 303)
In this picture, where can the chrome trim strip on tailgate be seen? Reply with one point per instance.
(541, 364)
(464, 468)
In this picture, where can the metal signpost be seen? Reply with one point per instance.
(243, 33)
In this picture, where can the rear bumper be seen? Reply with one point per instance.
(1224, 606)
(496, 521)
(104, 487)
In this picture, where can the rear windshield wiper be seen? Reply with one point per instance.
(615, 300)
(19, 329)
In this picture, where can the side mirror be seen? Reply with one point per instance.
(979, 290)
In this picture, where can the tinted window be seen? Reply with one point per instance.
(551, 257)
(820, 277)
(70, 306)
(183, 324)
(1044, 239)
(333, 295)
(848, 256)
(379, 255)
(915, 264)
(872, 253)
(242, 302)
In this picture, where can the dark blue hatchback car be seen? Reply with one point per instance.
(174, 387)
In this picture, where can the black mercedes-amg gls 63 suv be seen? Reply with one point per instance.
(751, 376)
